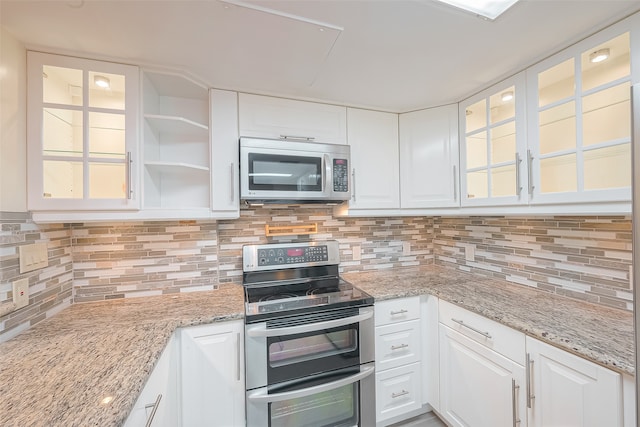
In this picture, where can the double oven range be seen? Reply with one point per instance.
(309, 339)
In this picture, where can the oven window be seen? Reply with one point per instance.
(337, 407)
(319, 346)
(284, 173)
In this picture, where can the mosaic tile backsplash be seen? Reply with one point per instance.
(588, 258)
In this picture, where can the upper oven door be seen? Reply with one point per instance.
(291, 348)
(295, 171)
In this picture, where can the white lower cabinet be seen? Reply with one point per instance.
(398, 360)
(479, 387)
(567, 390)
(212, 374)
(159, 398)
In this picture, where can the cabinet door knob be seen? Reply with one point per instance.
(153, 411)
(396, 395)
(399, 347)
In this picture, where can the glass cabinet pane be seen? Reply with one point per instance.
(61, 132)
(477, 150)
(503, 181)
(62, 180)
(606, 115)
(608, 167)
(606, 62)
(476, 116)
(106, 90)
(556, 83)
(61, 85)
(503, 143)
(477, 185)
(107, 135)
(502, 105)
(107, 180)
(558, 128)
(558, 174)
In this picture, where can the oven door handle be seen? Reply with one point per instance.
(312, 327)
(263, 396)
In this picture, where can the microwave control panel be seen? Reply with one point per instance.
(340, 175)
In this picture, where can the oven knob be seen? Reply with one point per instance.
(272, 252)
(280, 260)
(263, 261)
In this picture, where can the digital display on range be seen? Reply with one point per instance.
(295, 252)
(292, 255)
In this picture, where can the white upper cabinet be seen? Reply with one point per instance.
(82, 135)
(176, 146)
(493, 148)
(280, 118)
(429, 158)
(373, 137)
(224, 154)
(579, 119)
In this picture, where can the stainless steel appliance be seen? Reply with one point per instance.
(309, 339)
(283, 171)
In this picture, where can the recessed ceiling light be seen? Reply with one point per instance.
(101, 81)
(507, 96)
(599, 55)
(490, 9)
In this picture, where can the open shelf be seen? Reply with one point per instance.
(175, 166)
(175, 124)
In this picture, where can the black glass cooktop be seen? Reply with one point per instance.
(267, 302)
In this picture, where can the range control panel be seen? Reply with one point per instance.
(283, 255)
(292, 255)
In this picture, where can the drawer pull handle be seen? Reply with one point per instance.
(402, 393)
(401, 311)
(399, 347)
(477, 331)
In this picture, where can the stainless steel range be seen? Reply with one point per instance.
(309, 339)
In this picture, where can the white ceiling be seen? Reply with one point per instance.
(393, 55)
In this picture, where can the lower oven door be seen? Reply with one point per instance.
(300, 346)
(341, 398)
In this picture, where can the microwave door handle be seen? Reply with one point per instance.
(327, 173)
(262, 396)
(312, 327)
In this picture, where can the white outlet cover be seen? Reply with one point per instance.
(21, 293)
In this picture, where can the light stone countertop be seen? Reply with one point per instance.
(600, 334)
(58, 372)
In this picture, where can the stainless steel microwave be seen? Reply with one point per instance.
(277, 171)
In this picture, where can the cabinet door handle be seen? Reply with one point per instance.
(238, 356)
(398, 347)
(530, 395)
(514, 403)
(129, 161)
(530, 171)
(299, 138)
(353, 183)
(477, 331)
(232, 181)
(397, 312)
(153, 411)
(518, 183)
(455, 184)
(402, 393)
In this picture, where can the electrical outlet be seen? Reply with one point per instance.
(469, 252)
(357, 253)
(21, 293)
(406, 248)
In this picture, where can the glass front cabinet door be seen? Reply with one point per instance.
(493, 148)
(82, 134)
(580, 122)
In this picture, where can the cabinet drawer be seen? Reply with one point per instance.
(397, 344)
(397, 310)
(397, 391)
(500, 338)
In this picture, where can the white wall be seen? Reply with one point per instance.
(13, 124)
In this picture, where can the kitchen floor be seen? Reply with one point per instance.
(426, 420)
